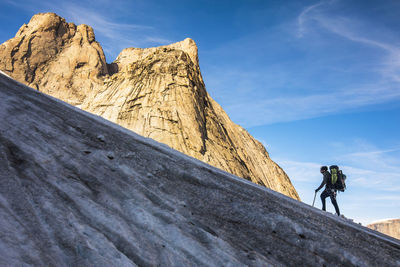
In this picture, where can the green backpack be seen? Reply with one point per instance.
(338, 179)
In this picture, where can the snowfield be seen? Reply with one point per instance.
(78, 190)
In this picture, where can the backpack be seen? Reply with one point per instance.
(338, 179)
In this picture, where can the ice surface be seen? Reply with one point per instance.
(76, 189)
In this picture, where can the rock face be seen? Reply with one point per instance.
(388, 227)
(77, 190)
(58, 58)
(156, 92)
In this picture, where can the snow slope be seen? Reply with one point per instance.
(76, 189)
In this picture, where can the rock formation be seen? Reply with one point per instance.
(58, 58)
(156, 92)
(77, 190)
(388, 227)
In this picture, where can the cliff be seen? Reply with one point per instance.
(156, 92)
(388, 227)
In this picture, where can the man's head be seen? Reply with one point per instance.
(323, 169)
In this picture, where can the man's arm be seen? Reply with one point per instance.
(322, 184)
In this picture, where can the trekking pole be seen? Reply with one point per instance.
(314, 199)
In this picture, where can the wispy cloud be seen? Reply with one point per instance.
(352, 94)
(373, 186)
(376, 170)
(390, 198)
(327, 64)
(290, 108)
(115, 35)
(19, 4)
(99, 21)
(372, 180)
(373, 168)
(305, 16)
(375, 154)
(301, 171)
(157, 40)
(318, 15)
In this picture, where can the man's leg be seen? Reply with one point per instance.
(334, 202)
(323, 196)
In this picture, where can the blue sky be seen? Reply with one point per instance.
(317, 82)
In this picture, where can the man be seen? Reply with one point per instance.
(329, 191)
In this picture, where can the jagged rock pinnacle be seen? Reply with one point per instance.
(132, 55)
(49, 54)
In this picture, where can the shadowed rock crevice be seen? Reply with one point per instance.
(112, 68)
(13, 154)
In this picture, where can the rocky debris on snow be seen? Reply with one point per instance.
(149, 206)
(389, 227)
(156, 92)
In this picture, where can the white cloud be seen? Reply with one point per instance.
(301, 171)
(157, 40)
(99, 21)
(374, 168)
(389, 67)
(117, 36)
(365, 155)
(352, 30)
(373, 179)
(305, 16)
(372, 192)
(25, 5)
(290, 108)
(385, 88)
(390, 198)
(375, 171)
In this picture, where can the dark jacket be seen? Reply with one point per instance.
(327, 181)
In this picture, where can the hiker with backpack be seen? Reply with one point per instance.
(330, 188)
